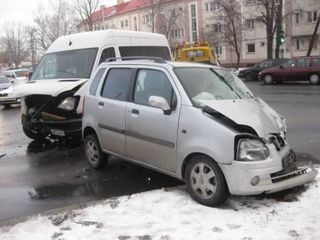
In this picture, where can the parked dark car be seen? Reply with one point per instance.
(251, 74)
(295, 69)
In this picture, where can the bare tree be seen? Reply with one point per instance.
(31, 39)
(170, 20)
(13, 42)
(227, 26)
(59, 22)
(85, 10)
(313, 38)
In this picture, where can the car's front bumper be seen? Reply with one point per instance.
(241, 175)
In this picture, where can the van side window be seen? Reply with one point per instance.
(117, 84)
(150, 51)
(107, 53)
(95, 82)
(152, 83)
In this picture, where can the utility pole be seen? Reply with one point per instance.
(279, 31)
(313, 37)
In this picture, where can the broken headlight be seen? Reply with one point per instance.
(68, 103)
(252, 150)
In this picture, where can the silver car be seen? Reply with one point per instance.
(195, 122)
(6, 90)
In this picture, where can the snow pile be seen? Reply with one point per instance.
(172, 214)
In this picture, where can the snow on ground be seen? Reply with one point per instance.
(171, 214)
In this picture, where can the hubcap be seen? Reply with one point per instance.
(268, 79)
(314, 79)
(203, 180)
(92, 152)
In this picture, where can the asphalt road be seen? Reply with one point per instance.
(35, 177)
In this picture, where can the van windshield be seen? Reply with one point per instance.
(68, 64)
(211, 84)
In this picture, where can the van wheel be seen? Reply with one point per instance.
(30, 132)
(314, 79)
(267, 79)
(205, 181)
(96, 158)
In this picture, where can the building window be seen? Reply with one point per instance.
(146, 18)
(177, 33)
(124, 23)
(251, 2)
(249, 23)
(312, 16)
(297, 18)
(212, 6)
(217, 27)
(219, 50)
(194, 36)
(251, 48)
(135, 24)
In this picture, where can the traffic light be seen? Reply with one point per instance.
(282, 38)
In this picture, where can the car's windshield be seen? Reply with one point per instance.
(211, 84)
(69, 64)
(21, 73)
(3, 79)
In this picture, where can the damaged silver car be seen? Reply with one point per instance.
(195, 122)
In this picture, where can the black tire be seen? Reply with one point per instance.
(29, 132)
(210, 189)
(7, 105)
(314, 79)
(96, 158)
(248, 77)
(267, 79)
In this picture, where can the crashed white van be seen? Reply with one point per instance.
(50, 103)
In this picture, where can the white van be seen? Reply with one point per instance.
(51, 101)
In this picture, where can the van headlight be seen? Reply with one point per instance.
(252, 150)
(68, 103)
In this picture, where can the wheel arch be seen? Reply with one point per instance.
(87, 131)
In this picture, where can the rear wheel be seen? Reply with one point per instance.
(268, 79)
(205, 181)
(314, 79)
(96, 158)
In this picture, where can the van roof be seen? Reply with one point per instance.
(106, 37)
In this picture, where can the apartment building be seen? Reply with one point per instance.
(202, 20)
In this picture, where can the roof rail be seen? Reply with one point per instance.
(155, 59)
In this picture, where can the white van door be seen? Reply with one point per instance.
(151, 135)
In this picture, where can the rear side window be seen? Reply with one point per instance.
(107, 53)
(305, 62)
(149, 51)
(117, 84)
(316, 61)
(95, 82)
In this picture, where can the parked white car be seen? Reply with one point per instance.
(198, 123)
(6, 92)
(17, 76)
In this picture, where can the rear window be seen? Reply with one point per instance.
(145, 51)
(316, 61)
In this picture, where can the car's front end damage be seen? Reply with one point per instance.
(263, 160)
(55, 113)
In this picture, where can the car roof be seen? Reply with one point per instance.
(151, 62)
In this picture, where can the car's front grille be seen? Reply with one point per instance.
(3, 94)
(283, 177)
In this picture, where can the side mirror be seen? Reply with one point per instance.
(159, 102)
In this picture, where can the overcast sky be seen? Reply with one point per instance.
(22, 10)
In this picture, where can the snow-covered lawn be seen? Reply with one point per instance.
(171, 214)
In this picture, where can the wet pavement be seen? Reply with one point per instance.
(35, 177)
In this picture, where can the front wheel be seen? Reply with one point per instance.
(205, 181)
(267, 79)
(314, 79)
(96, 158)
(30, 132)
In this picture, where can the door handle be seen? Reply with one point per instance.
(135, 111)
(100, 104)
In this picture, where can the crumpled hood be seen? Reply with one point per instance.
(47, 87)
(250, 112)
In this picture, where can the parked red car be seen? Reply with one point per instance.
(295, 69)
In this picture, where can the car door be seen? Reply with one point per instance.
(151, 134)
(303, 69)
(286, 71)
(111, 109)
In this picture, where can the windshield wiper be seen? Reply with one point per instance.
(225, 82)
